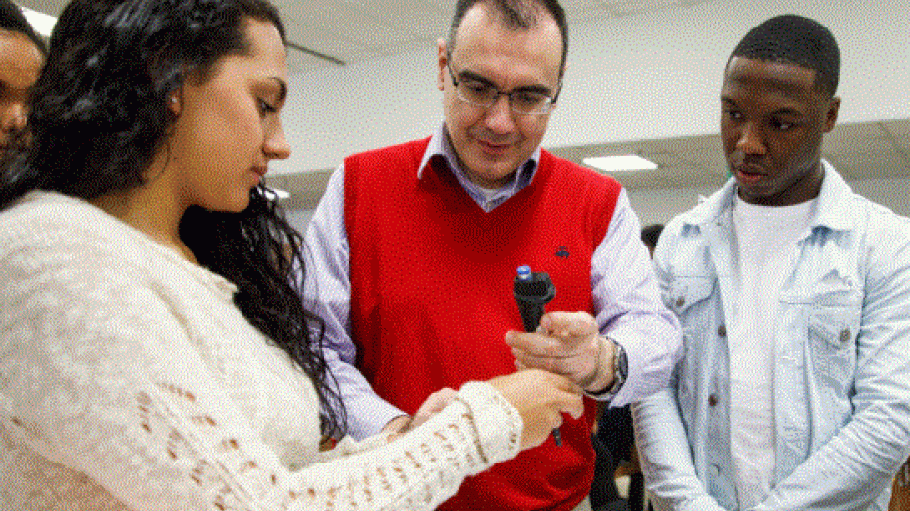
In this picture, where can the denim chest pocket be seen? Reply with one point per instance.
(689, 297)
(833, 324)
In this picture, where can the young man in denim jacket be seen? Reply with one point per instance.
(794, 298)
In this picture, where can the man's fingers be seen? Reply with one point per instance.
(566, 385)
(555, 361)
(555, 365)
(573, 358)
(571, 327)
(535, 344)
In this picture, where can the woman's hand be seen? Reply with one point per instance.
(433, 405)
(540, 398)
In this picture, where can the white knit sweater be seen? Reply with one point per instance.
(129, 380)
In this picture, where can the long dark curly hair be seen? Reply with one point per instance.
(98, 116)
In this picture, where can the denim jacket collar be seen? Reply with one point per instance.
(834, 209)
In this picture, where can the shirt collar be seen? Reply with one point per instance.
(836, 210)
(440, 148)
(440, 145)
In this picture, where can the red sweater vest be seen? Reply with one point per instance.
(431, 295)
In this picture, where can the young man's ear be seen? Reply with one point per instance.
(831, 115)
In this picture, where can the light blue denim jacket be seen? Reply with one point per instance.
(842, 359)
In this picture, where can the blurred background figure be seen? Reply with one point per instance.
(22, 53)
(649, 236)
(614, 442)
(900, 493)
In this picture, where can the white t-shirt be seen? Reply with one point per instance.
(766, 237)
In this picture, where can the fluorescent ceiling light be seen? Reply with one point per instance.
(42, 23)
(620, 163)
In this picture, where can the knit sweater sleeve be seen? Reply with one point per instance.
(418, 471)
(106, 402)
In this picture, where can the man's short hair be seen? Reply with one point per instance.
(793, 39)
(516, 14)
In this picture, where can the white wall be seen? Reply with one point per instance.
(298, 218)
(659, 76)
(893, 193)
(331, 113)
(637, 77)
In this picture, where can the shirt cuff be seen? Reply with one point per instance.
(370, 417)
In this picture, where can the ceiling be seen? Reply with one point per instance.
(351, 30)
(337, 32)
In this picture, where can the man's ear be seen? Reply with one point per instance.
(443, 60)
(831, 114)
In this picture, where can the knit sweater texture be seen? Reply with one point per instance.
(129, 380)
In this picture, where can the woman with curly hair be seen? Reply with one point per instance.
(154, 353)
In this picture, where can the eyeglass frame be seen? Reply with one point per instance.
(508, 94)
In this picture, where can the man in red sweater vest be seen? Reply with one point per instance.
(415, 248)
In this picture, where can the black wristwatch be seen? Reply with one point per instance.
(620, 368)
(620, 371)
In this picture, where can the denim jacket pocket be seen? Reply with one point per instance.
(830, 366)
(689, 297)
(833, 328)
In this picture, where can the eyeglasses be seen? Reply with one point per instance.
(521, 101)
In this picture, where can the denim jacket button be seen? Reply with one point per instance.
(722, 330)
(716, 468)
(844, 335)
(680, 301)
(712, 400)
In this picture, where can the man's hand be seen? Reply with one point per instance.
(397, 427)
(569, 344)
